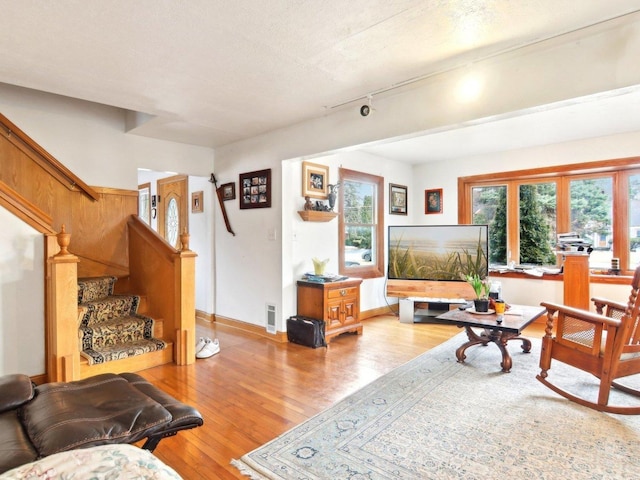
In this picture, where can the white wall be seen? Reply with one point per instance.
(21, 297)
(201, 242)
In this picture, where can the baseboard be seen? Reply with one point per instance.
(280, 337)
(375, 312)
(204, 316)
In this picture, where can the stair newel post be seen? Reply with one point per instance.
(185, 270)
(63, 353)
(184, 241)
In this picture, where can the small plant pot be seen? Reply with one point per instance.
(481, 304)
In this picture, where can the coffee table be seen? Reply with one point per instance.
(498, 329)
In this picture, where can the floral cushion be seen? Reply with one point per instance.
(102, 462)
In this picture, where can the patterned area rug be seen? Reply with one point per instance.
(436, 418)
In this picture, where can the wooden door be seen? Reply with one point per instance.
(173, 217)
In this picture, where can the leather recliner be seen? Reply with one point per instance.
(37, 421)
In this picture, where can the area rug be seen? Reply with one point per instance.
(436, 418)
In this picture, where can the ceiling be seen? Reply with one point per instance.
(212, 72)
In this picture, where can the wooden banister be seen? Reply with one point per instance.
(43, 158)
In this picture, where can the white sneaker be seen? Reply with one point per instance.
(210, 348)
(200, 344)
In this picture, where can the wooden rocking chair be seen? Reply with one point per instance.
(605, 344)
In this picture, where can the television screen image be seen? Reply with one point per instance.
(438, 252)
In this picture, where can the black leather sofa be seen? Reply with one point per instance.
(37, 421)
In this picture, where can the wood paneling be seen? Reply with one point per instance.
(97, 225)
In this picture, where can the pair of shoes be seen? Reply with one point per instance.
(200, 344)
(211, 347)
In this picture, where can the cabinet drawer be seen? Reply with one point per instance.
(342, 292)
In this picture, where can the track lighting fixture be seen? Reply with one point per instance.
(366, 110)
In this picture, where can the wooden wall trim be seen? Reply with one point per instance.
(25, 210)
(43, 158)
(116, 191)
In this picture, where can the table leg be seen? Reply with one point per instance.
(499, 338)
(474, 339)
(507, 363)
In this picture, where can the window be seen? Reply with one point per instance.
(361, 228)
(526, 210)
(144, 203)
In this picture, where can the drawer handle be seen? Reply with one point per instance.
(343, 292)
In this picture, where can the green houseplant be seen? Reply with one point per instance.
(481, 288)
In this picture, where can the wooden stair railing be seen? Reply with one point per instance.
(43, 158)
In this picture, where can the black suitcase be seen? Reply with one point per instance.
(306, 331)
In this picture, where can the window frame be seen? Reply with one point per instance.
(618, 169)
(362, 271)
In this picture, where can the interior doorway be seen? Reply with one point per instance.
(172, 207)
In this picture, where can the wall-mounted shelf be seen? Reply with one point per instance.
(316, 216)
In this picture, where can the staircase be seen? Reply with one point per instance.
(114, 337)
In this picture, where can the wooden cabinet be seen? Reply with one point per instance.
(337, 303)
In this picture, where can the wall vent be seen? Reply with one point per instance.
(271, 318)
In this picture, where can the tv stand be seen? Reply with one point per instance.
(412, 309)
(440, 297)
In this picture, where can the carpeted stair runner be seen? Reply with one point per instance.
(111, 328)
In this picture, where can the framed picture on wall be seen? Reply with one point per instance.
(433, 201)
(315, 180)
(196, 202)
(228, 191)
(255, 189)
(397, 199)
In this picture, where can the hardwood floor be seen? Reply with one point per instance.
(255, 389)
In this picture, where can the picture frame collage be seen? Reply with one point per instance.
(255, 189)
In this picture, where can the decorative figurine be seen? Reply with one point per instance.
(333, 192)
(308, 204)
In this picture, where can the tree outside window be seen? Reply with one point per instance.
(526, 210)
(361, 224)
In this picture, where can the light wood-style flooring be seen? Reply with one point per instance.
(255, 389)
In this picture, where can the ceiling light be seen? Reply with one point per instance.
(469, 88)
(367, 109)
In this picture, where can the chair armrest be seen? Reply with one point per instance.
(15, 390)
(601, 303)
(183, 416)
(580, 314)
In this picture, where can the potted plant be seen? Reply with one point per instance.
(481, 288)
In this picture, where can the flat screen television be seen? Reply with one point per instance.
(438, 252)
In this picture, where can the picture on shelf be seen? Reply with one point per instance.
(315, 180)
